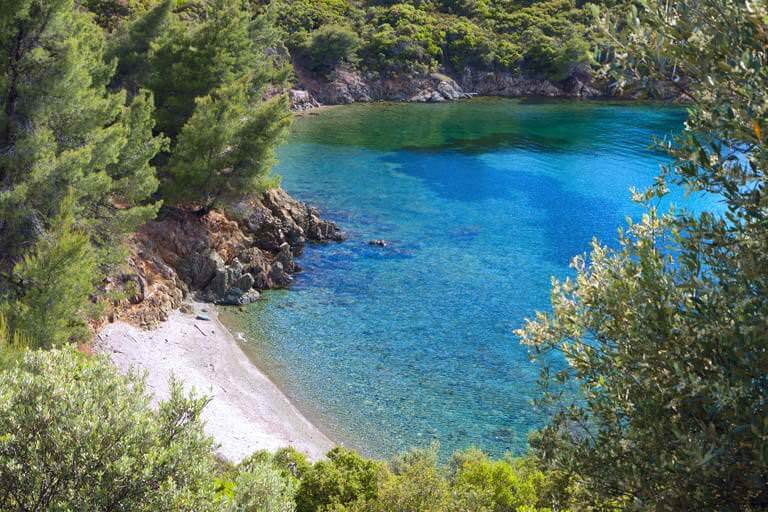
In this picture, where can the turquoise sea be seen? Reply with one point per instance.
(481, 202)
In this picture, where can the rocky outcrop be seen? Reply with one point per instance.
(345, 86)
(302, 100)
(511, 85)
(225, 258)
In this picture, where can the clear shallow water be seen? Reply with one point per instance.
(481, 202)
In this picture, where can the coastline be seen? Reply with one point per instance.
(247, 412)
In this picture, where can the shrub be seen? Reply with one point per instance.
(415, 485)
(329, 46)
(76, 435)
(343, 479)
(498, 485)
(665, 331)
(260, 487)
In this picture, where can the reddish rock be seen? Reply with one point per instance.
(223, 258)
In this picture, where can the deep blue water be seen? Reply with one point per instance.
(481, 202)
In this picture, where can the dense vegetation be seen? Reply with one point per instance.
(111, 110)
(540, 39)
(546, 39)
(667, 335)
(75, 435)
(98, 132)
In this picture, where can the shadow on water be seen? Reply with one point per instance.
(568, 219)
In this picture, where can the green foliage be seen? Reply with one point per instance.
(291, 462)
(546, 39)
(261, 487)
(209, 72)
(416, 484)
(12, 344)
(499, 485)
(110, 13)
(551, 36)
(666, 335)
(342, 480)
(401, 39)
(78, 436)
(227, 148)
(193, 58)
(62, 131)
(50, 285)
(329, 46)
(304, 16)
(131, 44)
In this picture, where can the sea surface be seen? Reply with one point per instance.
(481, 203)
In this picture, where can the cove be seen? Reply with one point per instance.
(481, 202)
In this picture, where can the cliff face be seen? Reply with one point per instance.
(225, 258)
(346, 86)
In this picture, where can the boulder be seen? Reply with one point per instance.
(285, 258)
(278, 277)
(237, 297)
(230, 280)
(302, 100)
(450, 90)
(436, 97)
(197, 269)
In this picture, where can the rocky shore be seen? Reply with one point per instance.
(224, 257)
(344, 86)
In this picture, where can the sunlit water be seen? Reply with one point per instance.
(481, 203)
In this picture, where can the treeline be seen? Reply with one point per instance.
(98, 131)
(548, 39)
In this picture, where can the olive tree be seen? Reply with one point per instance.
(77, 435)
(666, 335)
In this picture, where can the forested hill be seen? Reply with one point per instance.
(547, 39)
(383, 40)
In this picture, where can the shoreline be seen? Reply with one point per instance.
(247, 412)
(618, 100)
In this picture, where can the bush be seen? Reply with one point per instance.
(76, 435)
(498, 485)
(415, 485)
(401, 39)
(665, 331)
(260, 487)
(52, 285)
(343, 479)
(329, 46)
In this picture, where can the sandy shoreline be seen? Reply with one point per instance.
(247, 411)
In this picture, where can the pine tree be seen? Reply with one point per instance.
(227, 146)
(132, 43)
(193, 58)
(50, 284)
(61, 129)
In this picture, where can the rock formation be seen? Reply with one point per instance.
(345, 86)
(225, 258)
